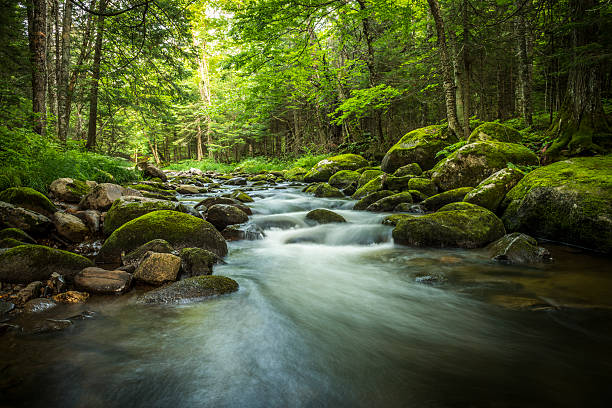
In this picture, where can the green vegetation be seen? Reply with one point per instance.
(250, 165)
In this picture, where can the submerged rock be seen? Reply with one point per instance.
(195, 288)
(157, 269)
(324, 169)
(101, 281)
(517, 248)
(179, 229)
(39, 305)
(465, 228)
(72, 296)
(324, 216)
(27, 263)
(29, 199)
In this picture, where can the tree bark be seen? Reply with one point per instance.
(523, 67)
(205, 97)
(95, 78)
(447, 70)
(63, 100)
(37, 26)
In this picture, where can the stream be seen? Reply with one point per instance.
(336, 315)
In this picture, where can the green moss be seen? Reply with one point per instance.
(296, 174)
(17, 234)
(424, 185)
(241, 196)
(417, 196)
(459, 205)
(412, 169)
(197, 261)
(368, 175)
(324, 169)
(179, 229)
(396, 183)
(79, 188)
(492, 190)
(370, 199)
(28, 198)
(418, 146)
(123, 211)
(434, 202)
(10, 243)
(344, 178)
(362, 169)
(370, 187)
(394, 219)
(324, 216)
(156, 245)
(390, 202)
(327, 191)
(495, 131)
(153, 189)
(568, 201)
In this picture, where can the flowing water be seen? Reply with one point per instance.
(336, 316)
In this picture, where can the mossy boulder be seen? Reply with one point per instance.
(368, 175)
(370, 199)
(222, 215)
(324, 216)
(30, 199)
(31, 222)
(467, 228)
(394, 219)
(474, 162)
(412, 169)
(495, 131)
(296, 174)
(179, 229)
(10, 243)
(437, 201)
(126, 209)
(324, 190)
(134, 257)
(197, 261)
(70, 227)
(208, 202)
(424, 185)
(69, 190)
(241, 196)
(376, 184)
(568, 201)
(517, 248)
(344, 178)
(190, 289)
(418, 196)
(492, 190)
(158, 268)
(28, 263)
(390, 202)
(154, 191)
(418, 146)
(17, 234)
(326, 168)
(396, 183)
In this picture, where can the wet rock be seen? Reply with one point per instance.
(55, 284)
(296, 174)
(324, 216)
(5, 308)
(418, 146)
(31, 222)
(70, 227)
(412, 169)
(190, 289)
(492, 190)
(240, 232)
(210, 201)
(370, 199)
(91, 218)
(179, 229)
(238, 181)
(157, 269)
(372, 186)
(222, 215)
(326, 168)
(27, 263)
(494, 131)
(517, 248)
(39, 305)
(100, 281)
(72, 296)
(150, 171)
(466, 228)
(390, 202)
(241, 196)
(367, 176)
(439, 200)
(324, 190)
(424, 185)
(10, 243)
(344, 179)
(69, 190)
(153, 190)
(29, 199)
(32, 290)
(410, 208)
(197, 261)
(472, 163)
(17, 234)
(434, 278)
(396, 183)
(102, 196)
(136, 256)
(568, 201)
(187, 189)
(127, 268)
(49, 325)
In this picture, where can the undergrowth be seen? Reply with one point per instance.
(250, 165)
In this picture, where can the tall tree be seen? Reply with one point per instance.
(95, 78)
(524, 63)
(63, 100)
(37, 34)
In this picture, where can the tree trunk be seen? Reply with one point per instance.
(37, 26)
(447, 70)
(199, 140)
(63, 100)
(524, 78)
(52, 53)
(95, 77)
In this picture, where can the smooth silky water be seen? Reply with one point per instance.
(336, 316)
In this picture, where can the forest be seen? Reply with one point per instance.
(305, 203)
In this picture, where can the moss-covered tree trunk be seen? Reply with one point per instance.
(580, 127)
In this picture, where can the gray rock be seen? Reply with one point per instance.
(197, 261)
(102, 196)
(222, 215)
(31, 222)
(101, 281)
(517, 248)
(324, 216)
(136, 256)
(157, 269)
(189, 289)
(39, 305)
(70, 190)
(70, 227)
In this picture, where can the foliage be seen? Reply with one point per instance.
(249, 165)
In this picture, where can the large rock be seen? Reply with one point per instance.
(210, 201)
(150, 171)
(517, 248)
(103, 282)
(471, 164)
(197, 261)
(368, 175)
(179, 229)
(344, 179)
(196, 288)
(27, 263)
(412, 169)
(31, 222)
(424, 185)
(69, 190)
(157, 269)
(222, 215)
(324, 190)
(372, 186)
(568, 201)
(324, 216)
(439, 200)
(70, 227)
(296, 174)
(17, 234)
(418, 146)
(470, 227)
(390, 202)
(29, 199)
(326, 168)
(494, 131)
(370, 199)
(126, 209)
(492, 190)
(136, 256)
(102, 196)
